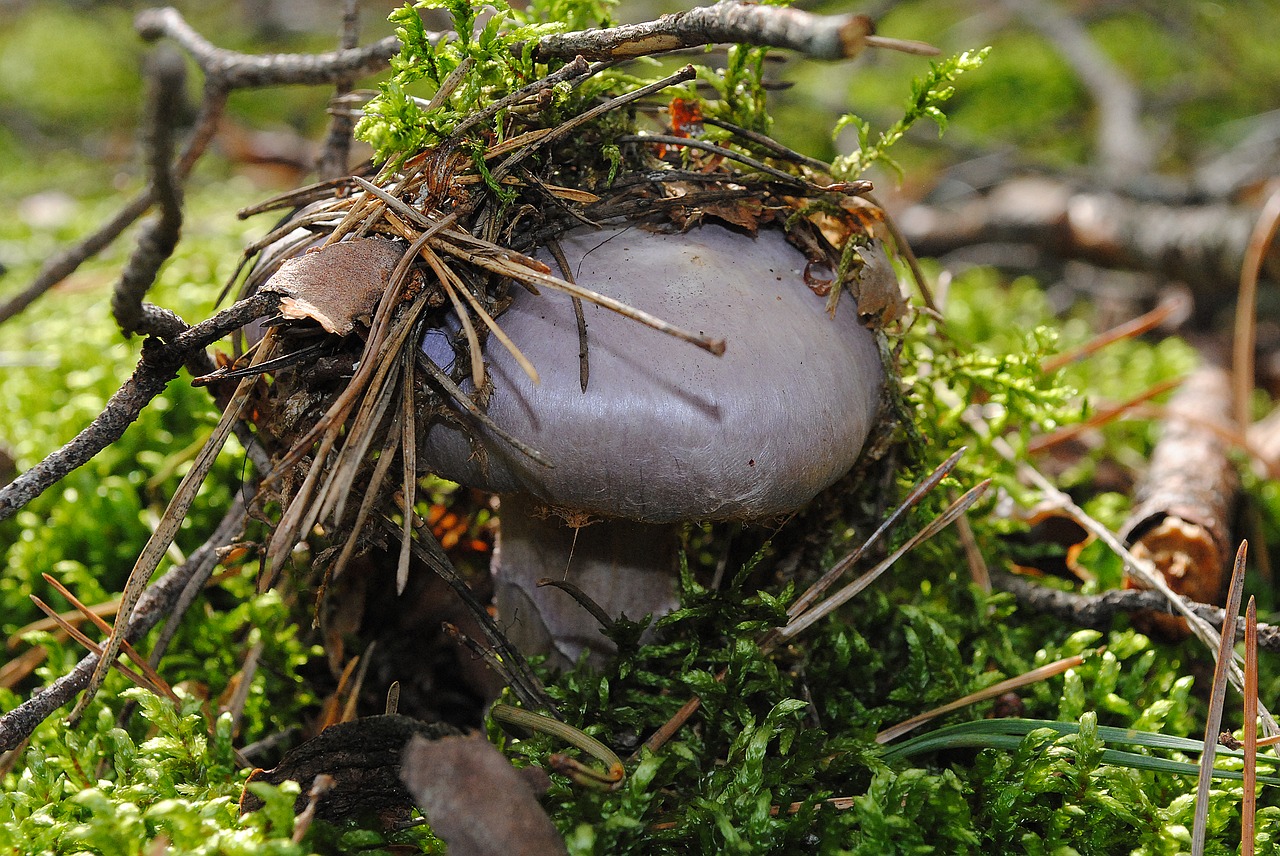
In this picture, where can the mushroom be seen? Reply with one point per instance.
(664, 433)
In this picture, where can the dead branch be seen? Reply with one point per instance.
(167, 75)
(1098, 611)
(335, 154)
(157, 603)
(159, 364)
(234, 70)
(817, 36)
(1183, 502)
(1201, 245)
(66, 262)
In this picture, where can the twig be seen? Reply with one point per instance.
(155, 604)
(1097, 611)
(167, 74)
(817, 36)
(159, 365)
(233, 70)
(335, 153)
(159, 541)
(1138, 568)
(65, 263)
(1122, 149)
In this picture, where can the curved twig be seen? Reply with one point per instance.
(234, 70)
(167, 74)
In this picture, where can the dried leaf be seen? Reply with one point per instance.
(476, 801)
(336, 285)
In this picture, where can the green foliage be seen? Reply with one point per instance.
(103, 790)
(927, 93)
(397, 123)
(792, 730)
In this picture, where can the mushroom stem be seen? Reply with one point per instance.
(625, 566)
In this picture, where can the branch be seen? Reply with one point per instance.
(1121, 146)
(335, 154)
(65, 263)
(234, 70)
(156, 603)
(1098, 611)
(818, 36)
(1201, 245)
(167, 74)
(159, 364)
(1182, 504)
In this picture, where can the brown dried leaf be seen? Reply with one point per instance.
(336, 285)
(476, 801)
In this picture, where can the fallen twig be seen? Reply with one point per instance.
(167, 74)
(1098, 611)
(155, 604)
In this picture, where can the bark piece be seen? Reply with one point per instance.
(476, 801)
(362, 756)
(1183, 503)
(336, 285)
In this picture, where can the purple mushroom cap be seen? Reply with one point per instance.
(665, 432)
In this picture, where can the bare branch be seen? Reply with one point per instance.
(233, 70)
(159, 364)
(157, 603)
(1122, 147)
(334, 157)
(167, 75)
(1098, 611)
(818, 36)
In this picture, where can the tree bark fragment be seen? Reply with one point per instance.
(1180, 519)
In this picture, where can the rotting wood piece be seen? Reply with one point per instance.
(362, 756)
(1183, 503)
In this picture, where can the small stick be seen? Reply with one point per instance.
(167, 76)
(336, 152)
(158, 544)
(1099, 610)
(831, 37)
(233, 70)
